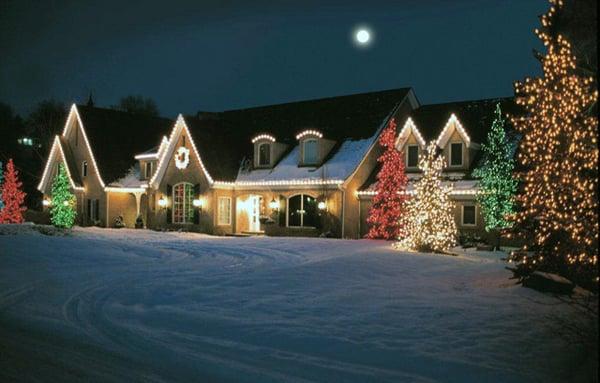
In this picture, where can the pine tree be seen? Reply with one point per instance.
(557, 207)
(12, 196)
(1, 177)
(388, 203)
(63, 201)
(497, 187)
(429, 223)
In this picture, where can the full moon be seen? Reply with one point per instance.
(363, 36)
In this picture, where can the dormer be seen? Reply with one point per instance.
(313, 147)
(148, 161)
(267, 151)
(456, 145)
(410, 142)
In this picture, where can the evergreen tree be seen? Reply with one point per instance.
(429, 223)
(557, 206)
(497, 187)
(62, 211)
(388, 203)
(12, 196)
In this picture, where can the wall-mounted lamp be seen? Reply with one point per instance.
(274, 205)
(162, 202)
(46, 202)
(198, 203)
(322, 205)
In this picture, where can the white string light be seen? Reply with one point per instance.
(263, 137)
(56, 144)
(409, 126)
(309, 133)
(87, 143)
(452, 121)
(180, 125)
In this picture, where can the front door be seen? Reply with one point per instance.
(254, 215)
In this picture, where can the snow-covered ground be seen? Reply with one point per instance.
(125, 305)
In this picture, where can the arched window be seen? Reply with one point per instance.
(309, 149)
(302, 211)
(183, 208)
(264, 155)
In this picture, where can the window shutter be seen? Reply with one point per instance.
(196, 210)
(89, 210)
(169, 211)
(96, 209)
(282, 212)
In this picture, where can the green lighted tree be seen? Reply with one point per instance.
(63, 201)
(497, 187)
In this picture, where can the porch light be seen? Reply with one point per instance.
(162, 202)
(274, 205)
(46, 202)
(322, 205)
(198, 202)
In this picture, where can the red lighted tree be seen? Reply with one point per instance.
(388, 203)
(12, 196)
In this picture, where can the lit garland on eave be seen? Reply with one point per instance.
(559, 154)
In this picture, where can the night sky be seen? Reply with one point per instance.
(217, 55)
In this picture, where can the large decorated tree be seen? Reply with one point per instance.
(558, 153)
(429, 223)
(388, 203)
(12, 196)
(497, 187)
(62, 211)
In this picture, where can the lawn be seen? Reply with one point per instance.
(133, 305)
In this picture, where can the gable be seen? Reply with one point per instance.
(453, 130)
(409, 135)
(180, 137)
(59, 153)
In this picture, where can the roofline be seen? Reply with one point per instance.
(44, 182)
(308, 100)
(467, 101)
(375, 141)
(75, 111)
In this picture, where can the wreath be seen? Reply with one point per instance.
(182, 157)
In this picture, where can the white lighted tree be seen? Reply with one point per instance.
(429, 221)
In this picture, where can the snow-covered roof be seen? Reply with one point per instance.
(130, 180)
(339, 167)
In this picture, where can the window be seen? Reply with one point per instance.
(224, 211)
(310, 151)
(302, 211)
(456, 154)
(412, 156)
(149, 169)
(264, 155)
(25, 141)
(84, 168)
(183, 209)
(468, 215)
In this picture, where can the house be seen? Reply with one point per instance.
(299, 169)
(459, 129)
